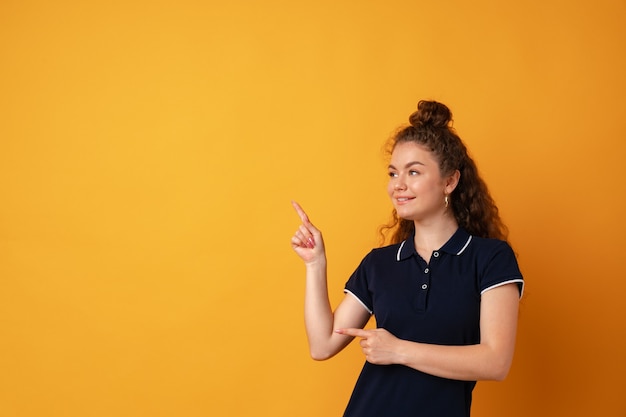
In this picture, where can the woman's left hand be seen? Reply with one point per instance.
(378, 345)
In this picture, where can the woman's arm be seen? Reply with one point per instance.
(320, 321)
(489, 360)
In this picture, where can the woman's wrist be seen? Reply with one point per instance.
(404, 352)
(318, 265)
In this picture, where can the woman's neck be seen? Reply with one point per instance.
(430, 236)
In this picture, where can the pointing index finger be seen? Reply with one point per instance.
(353, 332)
(301, 213)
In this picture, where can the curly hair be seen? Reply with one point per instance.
(471, 203)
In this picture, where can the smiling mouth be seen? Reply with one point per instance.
(404, 199)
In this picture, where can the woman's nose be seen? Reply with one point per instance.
(399, 186)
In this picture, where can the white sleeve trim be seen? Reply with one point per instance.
(359, 300)
(512, 281)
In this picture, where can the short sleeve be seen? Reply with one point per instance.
(358, 286)
(501, 268)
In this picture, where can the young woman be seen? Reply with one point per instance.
(445, 293)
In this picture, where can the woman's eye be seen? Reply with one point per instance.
(413, 173)
(392, 175)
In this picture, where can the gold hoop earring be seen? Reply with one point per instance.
(446, 200)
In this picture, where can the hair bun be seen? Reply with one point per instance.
(431, 113)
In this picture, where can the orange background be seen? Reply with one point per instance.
(149, 152)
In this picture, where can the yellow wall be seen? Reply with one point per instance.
(149, 152)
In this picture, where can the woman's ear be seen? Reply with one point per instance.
(452, 181)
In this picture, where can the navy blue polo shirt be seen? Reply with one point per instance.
(436, 302)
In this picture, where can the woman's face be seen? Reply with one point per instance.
(416, 187)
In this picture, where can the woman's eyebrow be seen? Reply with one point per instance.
(409, 164)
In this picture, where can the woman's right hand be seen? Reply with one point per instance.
(307, 242)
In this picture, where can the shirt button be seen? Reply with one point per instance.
(426, 271)
(424, 286)
(436, 254)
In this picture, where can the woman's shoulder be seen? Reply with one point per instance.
(462, 242)
(490, 243)
(391, 253)
(383, 250)
(386, 251)
(490, 248)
